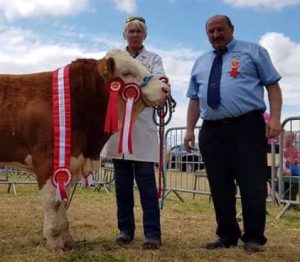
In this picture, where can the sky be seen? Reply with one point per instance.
(42, 35)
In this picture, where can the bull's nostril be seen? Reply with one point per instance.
(166, 90)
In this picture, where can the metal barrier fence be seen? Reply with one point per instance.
(104, 175)
(13, 177)
(289, 170)
(185, 172)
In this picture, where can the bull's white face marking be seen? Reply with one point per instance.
(130, 70)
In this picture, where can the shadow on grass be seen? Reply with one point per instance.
(93, 250)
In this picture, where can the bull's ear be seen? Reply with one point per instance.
(106, 68)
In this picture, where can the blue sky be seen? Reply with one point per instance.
(41, 35)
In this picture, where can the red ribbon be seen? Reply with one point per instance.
(111, 119)
(131, 93)
(61, 100)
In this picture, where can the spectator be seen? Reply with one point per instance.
(290, 166)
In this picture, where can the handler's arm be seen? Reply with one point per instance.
(275, 100)
(193, 114)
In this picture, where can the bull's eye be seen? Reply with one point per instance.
(127, 74)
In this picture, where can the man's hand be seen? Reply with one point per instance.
(189, 140)
(273, 128)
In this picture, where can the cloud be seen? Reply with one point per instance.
(127, 6)
(273, 4)
(285, 55)
(23, 52)
(15, 9)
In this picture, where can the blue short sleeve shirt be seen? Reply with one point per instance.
(240, 93)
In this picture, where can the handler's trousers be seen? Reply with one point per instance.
(125, 171)
(234, 152)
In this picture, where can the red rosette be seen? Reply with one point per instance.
(131, 90)
(131, 93)
(61, 179)
(115, 86)
(61, 175)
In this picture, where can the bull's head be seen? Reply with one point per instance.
(134, 79)
(154, 91)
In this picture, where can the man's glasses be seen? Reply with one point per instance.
(138, 18)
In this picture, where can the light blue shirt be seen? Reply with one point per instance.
(240, 94)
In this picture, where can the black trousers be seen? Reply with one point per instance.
(234, 153)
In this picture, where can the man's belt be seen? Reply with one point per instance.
(229, 120)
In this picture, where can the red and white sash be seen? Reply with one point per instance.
(62, 132)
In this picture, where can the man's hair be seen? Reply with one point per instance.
(228, 21)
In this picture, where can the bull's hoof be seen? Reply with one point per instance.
(60, 251)
(67, 240)
(56, 245)
(69, 245)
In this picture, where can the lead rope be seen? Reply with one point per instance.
(164, 115)
(71, 196)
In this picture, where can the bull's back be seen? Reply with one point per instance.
(24, 102)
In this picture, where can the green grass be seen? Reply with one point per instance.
(186, 227)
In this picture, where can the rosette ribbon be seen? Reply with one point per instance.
(111, 120)
(131, 94)
(61, 101)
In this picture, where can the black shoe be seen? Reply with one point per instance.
(124, 239)
(151, 243)
(221, 243)
(253, 247)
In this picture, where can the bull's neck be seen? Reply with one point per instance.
(89, 98)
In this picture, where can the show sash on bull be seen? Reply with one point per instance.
(60, 137)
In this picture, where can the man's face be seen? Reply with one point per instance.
(135, 36)
(219, 32)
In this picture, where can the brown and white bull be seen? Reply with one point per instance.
(26, 125)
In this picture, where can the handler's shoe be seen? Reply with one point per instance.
(151, 243)
(124, 239)
(253, 247)
(221, 243)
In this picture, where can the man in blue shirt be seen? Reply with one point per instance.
(233, 137)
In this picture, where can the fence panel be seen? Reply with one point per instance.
(185, 172)
(288, 179)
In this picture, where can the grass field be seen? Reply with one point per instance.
(186, 228)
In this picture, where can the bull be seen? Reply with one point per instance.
(26, 125)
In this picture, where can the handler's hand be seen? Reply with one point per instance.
(189, 140)
(273, 128)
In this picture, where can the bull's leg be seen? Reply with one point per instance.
(64, 226)
(52, 231)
